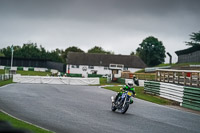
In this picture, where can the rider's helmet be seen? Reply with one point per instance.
(130, 84)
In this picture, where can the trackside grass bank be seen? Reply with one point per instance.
(5, 82)
(33, 73)
(141, 95)
(30, 73)
(21, 125)
(103, 81)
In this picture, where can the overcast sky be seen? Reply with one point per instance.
(116, 25)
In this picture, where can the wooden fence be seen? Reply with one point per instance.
(144, 76)
(183, 77)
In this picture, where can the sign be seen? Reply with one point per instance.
(84, 68)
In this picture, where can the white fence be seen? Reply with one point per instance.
(172, 92)
(165, 90)
(55, 80)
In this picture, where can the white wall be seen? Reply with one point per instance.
(80, 70)
(99, 69)
(55, 80)
(134, 69)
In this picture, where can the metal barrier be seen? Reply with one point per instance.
(152, 87)
(191, 98)
(5, 77)
(188, 97)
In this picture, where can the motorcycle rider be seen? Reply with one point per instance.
(128, 87)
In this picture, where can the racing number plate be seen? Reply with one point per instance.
(129, 93)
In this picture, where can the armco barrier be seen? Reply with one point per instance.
(152, 87)
(191, 98)
(55, 80)
(188, 97)
(172, 92)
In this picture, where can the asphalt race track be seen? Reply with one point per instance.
(86, 109)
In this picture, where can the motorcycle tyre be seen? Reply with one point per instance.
(123, 111)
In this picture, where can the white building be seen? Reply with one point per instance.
(85, 63)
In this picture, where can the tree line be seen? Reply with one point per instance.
(33, 51)
(151, 51)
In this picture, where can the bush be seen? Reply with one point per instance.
(94, 75)
(121, 80)
(74, 75)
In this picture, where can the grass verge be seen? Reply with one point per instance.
(144, 96)
(2, 71)
(5, 82)
(31, 73)
(20, 124)
(103, 81)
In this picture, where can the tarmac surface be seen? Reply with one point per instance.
(87, 109)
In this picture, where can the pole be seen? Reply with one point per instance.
(12, 56)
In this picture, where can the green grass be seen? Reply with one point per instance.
(33, 73)
(21, 125)
(179, 64)
(2, 71)
(167, 64)
(30, 73)
(140, 71)
(141, 95)
(5, 82)
(103, 81)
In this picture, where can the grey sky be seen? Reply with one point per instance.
(116, 25)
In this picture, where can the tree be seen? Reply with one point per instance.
(32, 51)
(70, 49)
(195, 37)
(132, 53)
(151, 51)
(97, 49)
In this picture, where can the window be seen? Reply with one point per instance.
(75, 66)
(125, 68)
(105, 68)
(90, 67)
(120, 66)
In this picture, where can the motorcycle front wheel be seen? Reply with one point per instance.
(125, 108)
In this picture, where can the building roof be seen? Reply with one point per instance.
(91, 59)
(188, 50)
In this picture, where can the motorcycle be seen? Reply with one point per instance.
(122, 102)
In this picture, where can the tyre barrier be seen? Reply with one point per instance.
(188, 97)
